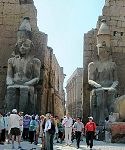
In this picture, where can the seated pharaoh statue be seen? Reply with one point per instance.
(102, 76)
(23, 73)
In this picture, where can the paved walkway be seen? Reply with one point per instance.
(98, 145)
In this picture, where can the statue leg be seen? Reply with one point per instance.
(23, 102)
(32, 99)
(93, 104)
(110, 101)
(12, 99)
(31, 90)
(100, 106)
(106, 113)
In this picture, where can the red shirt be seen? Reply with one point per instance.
(90, 126)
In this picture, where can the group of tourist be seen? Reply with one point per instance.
(17, 126)
(78, 128)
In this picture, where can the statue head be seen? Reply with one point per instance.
(103, 51)
(104, 34)
(24, 44)
(24, 47)
(103, 41)
(24, 31)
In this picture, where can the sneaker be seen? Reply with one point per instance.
(60, 141)
(19, 147)
(8, 142)
(2, 143)
(66, 144)
(35, 143)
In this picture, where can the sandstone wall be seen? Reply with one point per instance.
(74, 93)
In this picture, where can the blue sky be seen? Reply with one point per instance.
(65, 22)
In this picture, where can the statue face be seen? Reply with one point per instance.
(24, 47)
(102, 52)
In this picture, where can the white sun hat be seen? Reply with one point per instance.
(90, 117)
(14, 111)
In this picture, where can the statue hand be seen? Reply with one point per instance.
(32, 82)
(100, 89)
(10, 82)
(98, 86)
(115, 83)
(94, 84)
(111, 89)
(27, 83)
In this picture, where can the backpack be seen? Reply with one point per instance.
(52, 130)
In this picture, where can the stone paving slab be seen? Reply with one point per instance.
(98, 145)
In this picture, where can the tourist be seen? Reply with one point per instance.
(32, 129)
(67, 123)
(56, 127)
(52, 131)
(61, 131)
(107, 129)
(37, 129)
(14, 125)
(49, 131)
(78, 127)
(26, 124)
(41, 134)
(21, 122)
(90, 129)
(7, 132)
(2, 129)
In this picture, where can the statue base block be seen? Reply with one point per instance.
(118, 132)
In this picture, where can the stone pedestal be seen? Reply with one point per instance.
(118, 132)
(22, 99)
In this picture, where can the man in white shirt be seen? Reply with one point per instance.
(67, 123)
(14, 125)
(47, 135)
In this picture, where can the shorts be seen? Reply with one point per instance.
(15, 131)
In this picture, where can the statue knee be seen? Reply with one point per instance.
(11, 90)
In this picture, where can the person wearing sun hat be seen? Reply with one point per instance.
(90, 129)
(14, 125)
(26, 124)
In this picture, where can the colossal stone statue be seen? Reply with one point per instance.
(22, 75)
(102, 76)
